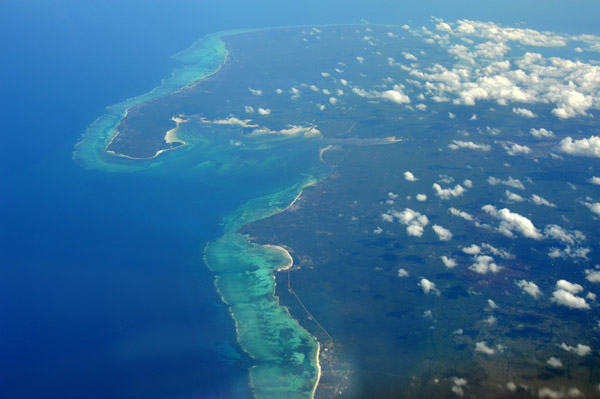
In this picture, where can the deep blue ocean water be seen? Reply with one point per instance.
(102, 289)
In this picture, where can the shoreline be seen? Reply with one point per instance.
(231, 234)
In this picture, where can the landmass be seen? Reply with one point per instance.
(433, 238)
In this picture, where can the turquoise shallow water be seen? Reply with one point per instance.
(263, 176)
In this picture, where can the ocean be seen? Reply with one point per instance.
(103, 289)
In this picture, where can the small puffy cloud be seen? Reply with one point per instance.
(360, 60)
(569, 287)
(594, 207)
(248, 109)
(524, 112)
(344, 82)
(255, 91)
(409, 56)
(443, 233)
(451, 115)
(428, 286)
(516, 149)
(537, 200)
(482, 347)
(593, 276)
(569, 252)
(468, 183)
(264, 111)
(513, 197)
(325, 74)
(392, 195)
(278, 91)
(510, 222)
(529, 288)
(554, 362)
(421, 197)
(461, 214)
(541, 132)
(378, 230)
(457, 144)
(421, 107)
(579, 350)
(333, 100)
(396, 95)
(565, 298)
(567, 236)
(484, 264)
(402, 273)
(447, 193)
(448, 262)
(409, 176)
(472, 250)
(587, 147)
(414, 221)
(595, 180)
(510, 182)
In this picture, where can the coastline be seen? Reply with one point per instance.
(275, 357)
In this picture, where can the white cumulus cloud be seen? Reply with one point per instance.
(511, 222)
(443, 233)
(409, 176)
(587, 147)
(529, 288)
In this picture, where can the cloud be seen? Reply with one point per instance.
(472, 250)
(264, 111)
(558, 233)
(333, 100)
(232, 120)
(402, 273)
(513, 197)
(409, 176)
(461, 214)
(516, 149)
(594, 207)
(458, 385)
(449, 262)
(447, 193)
(568, 252)
(579, 350)
(248, 109)
(510, 222)
(565, 298)
(360, 60)
(414, 221)
(510, 182)
(554, 362)
(291, 130)
(482, 347)
(537, 200)
(255, 91)
(428, 287)
(456, 144)
(595, 180)
(588, 147)
(593, 276)
(396, 95)
(497, 33)
(524, 112)
(569, 287)
(484, 264)
(278, 91)
(443, 233)
(492, 304)
(378, 230)
(421, 197)
(541, 132)
(529, 288)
